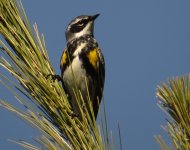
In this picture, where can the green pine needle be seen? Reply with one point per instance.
(25, 56)
(174, 99)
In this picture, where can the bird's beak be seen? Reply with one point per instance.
(94, 17)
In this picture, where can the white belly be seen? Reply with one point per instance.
(74, 73)
(74, 80)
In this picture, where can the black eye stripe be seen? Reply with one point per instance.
(78, 26)
(83, 21)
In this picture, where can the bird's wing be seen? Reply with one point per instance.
(64, 61)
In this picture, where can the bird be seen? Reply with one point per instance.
(82, 65)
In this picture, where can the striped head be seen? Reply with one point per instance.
(81, 25)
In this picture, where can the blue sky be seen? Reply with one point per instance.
(144, 44)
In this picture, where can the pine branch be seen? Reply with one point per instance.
(26, 58)
(174, 99)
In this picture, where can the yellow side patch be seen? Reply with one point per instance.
(93, 57)
(63, 58)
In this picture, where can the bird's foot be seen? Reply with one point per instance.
(54, 77)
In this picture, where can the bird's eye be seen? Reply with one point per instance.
(80, 23)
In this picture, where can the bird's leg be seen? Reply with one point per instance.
(55, 77)
(58, 78)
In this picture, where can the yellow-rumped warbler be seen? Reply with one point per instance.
(82, 64)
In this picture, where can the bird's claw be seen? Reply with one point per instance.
(54, 77)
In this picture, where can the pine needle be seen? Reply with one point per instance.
(25, 56)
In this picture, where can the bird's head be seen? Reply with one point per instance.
(81, 25)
